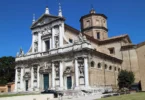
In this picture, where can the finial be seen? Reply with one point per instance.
(33, 18)
(47, 10)
(92, 9)
(60, 11)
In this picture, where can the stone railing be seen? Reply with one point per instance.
(66, 48)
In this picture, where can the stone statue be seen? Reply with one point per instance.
(20, 53)
(57, 71)
(80, 37)
(81, 69)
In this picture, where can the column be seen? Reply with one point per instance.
(38, 78)
(61, 75)
(53, 42)
(53, 76)
(43, 46)
(86, 72)
(39, 42)
(32, 78)
(60, 35)
(16, 79)
(33, 42)
(21, 81)
(50, 40)
(76, 73)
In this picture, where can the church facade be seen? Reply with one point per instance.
(62, 57)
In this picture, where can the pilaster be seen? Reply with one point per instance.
(21, 80)
(53, 76)
(39, 42)
(32, 79)
(76, 74)
(38, 78)
(86, 72)
(16, 80)
(61, 75)
(53, 42)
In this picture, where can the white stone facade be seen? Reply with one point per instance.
(62, 58)
(48, 55)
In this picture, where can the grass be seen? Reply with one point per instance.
(136, 96)
(11, 95)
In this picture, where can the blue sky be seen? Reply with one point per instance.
(124, 16)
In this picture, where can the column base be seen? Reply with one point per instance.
(52, 88)
(37, 89)
(87, 87)
(31, 89)
(83, 87)
(59, 88)
(77, 88)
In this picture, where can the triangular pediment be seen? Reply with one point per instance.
(45, 19)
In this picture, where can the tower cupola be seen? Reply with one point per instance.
(94, 25)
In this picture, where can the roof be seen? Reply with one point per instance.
(91, 14)
(100, 42)
(110, 57)
(115, 38)
(47, 15)
(128, 46)
(140, 44)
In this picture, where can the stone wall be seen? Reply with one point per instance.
(101, 76)
(141, 61)
(130, 62)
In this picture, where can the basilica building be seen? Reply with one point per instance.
(62, 57)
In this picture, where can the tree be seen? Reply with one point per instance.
(7, 69)
(125, 79)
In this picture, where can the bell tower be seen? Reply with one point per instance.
(94, 25)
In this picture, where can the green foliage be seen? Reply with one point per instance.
(7, 69)
(125, 79)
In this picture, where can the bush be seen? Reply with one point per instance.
(125, 79)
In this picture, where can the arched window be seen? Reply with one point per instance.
(106, 66)
(114, 68)
(92, 63)
(118, 69)
(99, 65)
(110, 67)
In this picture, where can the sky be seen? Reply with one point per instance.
(124, 17)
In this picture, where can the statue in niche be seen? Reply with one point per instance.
(81, 69)
(57, 71)
(56, 41)
(35, 72)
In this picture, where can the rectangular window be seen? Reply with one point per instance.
(47, 45)
(70, 40)
(112, 50)
(98, 35)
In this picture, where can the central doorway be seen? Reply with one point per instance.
(46, 81)
(69, 82)
(26, 85)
